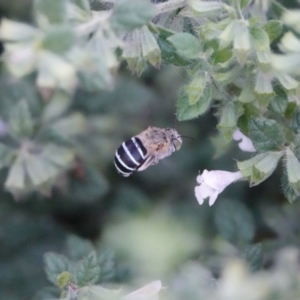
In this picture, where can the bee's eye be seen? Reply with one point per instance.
(176, 144)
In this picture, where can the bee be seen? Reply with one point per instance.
(146, 149)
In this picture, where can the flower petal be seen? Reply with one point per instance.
(200, 178)
(219, 180)
(213, 198)
(245, 144)
(202, 192)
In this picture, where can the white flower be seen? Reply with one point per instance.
(149, 291)
(212, 183)
(245, 144)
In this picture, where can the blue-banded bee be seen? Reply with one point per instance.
(146, 149)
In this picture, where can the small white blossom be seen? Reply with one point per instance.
(149, 291)
(245, 144)
(212, 183)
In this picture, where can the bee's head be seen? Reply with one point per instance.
(175, 138)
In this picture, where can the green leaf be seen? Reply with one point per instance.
(288, 190)
(244, 3)
(16, 31)
(54, 10)
(226, 76)
(49, 136)
(83, 4)
(16, 176)
(246, 166)
(78, 247)
(161, 31)
(185, 111)
(106, 261)
(96, 75)
(293, 170)
(58, 105)
(59, 39)
(20, 121)
(227, 124)
(280, 102)
(205, 6)
(260, 39)
(253, 254)
(185, 44)
(295, 122)
(277, 9)
(39, 170)
(55, 264)
(131, 14)
(87, 270)
(196, 88)
(57, 155)
(263, 168)
(6, 155)
(250, 111)
(221, 56)
(266, 134)
(71, 125)
(170, 56)
(273, 28)
(234, 222)
(55, 71)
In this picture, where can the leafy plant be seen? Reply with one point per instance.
(67, 101)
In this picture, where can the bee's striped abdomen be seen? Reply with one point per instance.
(129, 156)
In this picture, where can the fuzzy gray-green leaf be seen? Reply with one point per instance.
(185, 111)
(20, 120)
(87, 270)
(54, 10)
(293, 170)
(185, 44)
(131, 14)
(55, 264)
(273, 29)
(266, 134)
(59, 39)
(253, 254)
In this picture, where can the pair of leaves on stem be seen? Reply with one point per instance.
(85, 265)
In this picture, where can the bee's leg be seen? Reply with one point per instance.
(150, 160)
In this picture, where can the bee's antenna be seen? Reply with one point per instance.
(188, 137)
(174, 121)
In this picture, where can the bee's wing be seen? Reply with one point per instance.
(147, 163)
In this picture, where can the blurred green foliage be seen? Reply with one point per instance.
(70, 224)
